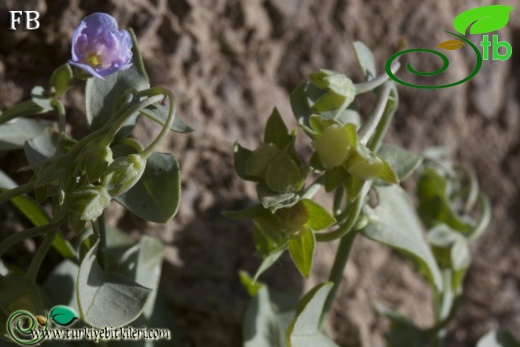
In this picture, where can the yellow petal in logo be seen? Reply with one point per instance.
(451, 45)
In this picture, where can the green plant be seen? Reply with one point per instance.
(108, 278)
(350, 161)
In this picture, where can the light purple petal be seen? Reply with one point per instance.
(98, 35)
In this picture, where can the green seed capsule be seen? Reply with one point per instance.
(89, 201)
(95, 159)
(283, 174)
(124, 173)
(293, 218)
(333, 146)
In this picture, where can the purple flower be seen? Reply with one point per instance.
(99, 47)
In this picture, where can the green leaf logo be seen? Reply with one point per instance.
(483, 19)
(63, 315)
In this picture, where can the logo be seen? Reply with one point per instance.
(25, 329)
(479, 21)
(22, 325)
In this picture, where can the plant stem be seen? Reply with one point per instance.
(100, 228)
(313, 188)
(166, 128)
(12, 240)
(375, 142)
(58, 105)
(353, 212)
(12, 193)
(336, 273)
(377, 113)
(39, 256)
(376, 82)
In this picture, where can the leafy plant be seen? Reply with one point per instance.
(350, 161)
(106, 277)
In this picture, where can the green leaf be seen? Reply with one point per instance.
(142, 263)
(63, 315)
(103, 96)
(483, 19)
(449, 247)
(334, 178)
(252, 287)
(275, 130)
(40, 97)
(301, 99)
(365, 59)
(269, 261)
(13, 135)
(159, 114)
(25, 108)
(304, 330)
(403, 332)
(107, 298)
(37, 215)
(394, 223)
(266, 321)
(60, 79)
(366, 165)
(241, 157)
(353, 187)
(60, 284)
(403, 162)
(41, 147)
(156, 196)
(435, 207)
(499, 338)
(302, 248)
(260, 159)
(319, 217)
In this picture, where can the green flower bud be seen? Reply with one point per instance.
(333, 146)
(95, 159)
(257, 163)
(283, 174)
(293, 218)
(124, 173)
(89, 201)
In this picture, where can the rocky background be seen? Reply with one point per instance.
(229, 63)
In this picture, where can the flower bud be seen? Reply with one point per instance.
(333, 146)
(293, 218)
(124, 173)
(89, 201)
(95, 159)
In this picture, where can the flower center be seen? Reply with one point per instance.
(94, 59)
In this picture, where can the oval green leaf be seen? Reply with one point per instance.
(156, 196)
(394, 223)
